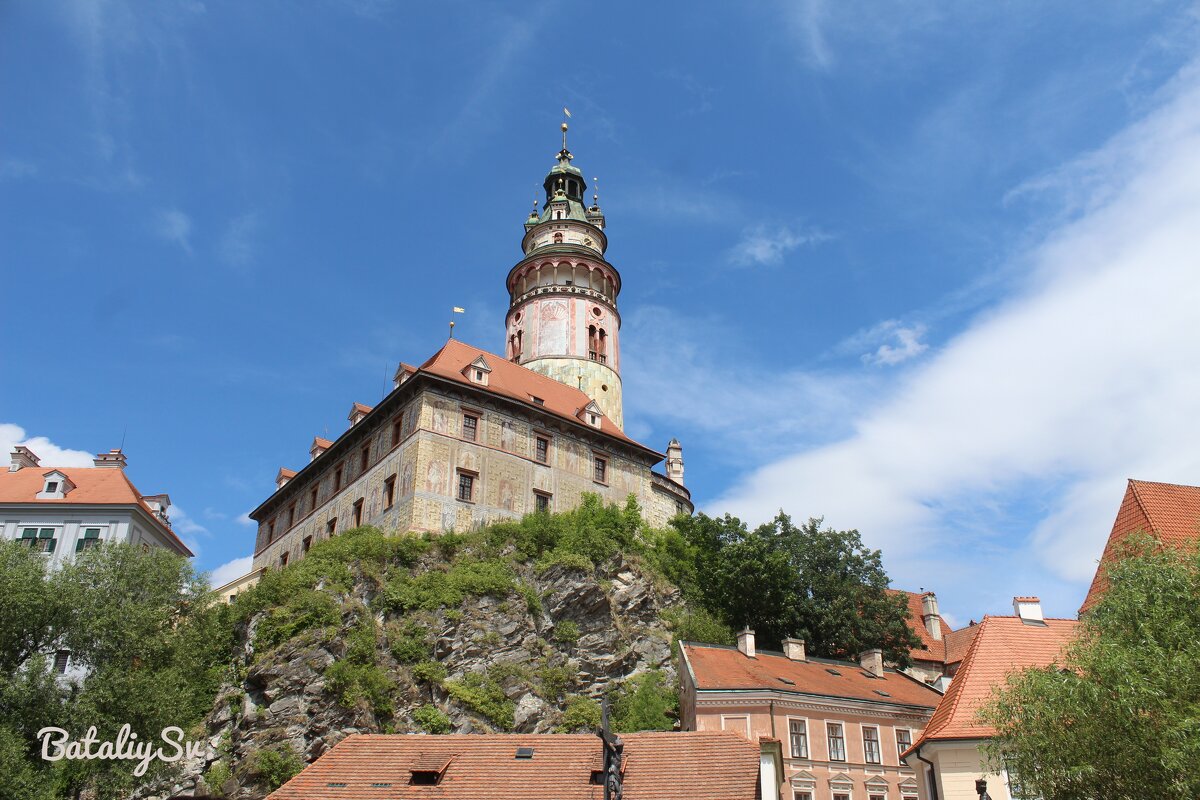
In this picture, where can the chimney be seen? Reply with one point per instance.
(23, 457)
(794, 649)
(113, 459)
(675, 461)
(930, 615)
(1029, 609)
(746, 642)
(872, 661)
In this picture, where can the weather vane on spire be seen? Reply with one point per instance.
(564, 155)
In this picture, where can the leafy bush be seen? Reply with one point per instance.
(483, 694)
(436, 589)
(305, 609)
(431, 719)
(275, 767)
(409, 642)
(216, 777)
(431, 672)
(553, 681)
(566, 632)
(645, 704)
(697, 625)
(533, 603)
(581, 715)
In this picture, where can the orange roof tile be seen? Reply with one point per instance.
(719, 667)
(958, 642)
(93, 486)
(708, 765)
(1171, 512)
(931, 649)
(1001, 645)
(518, 383)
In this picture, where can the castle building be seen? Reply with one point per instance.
(470, 437)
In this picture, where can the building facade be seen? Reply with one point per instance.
(60, 511)
(949, 755)
(843, 725)
(470, 437)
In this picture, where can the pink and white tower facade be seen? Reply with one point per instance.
(562, 319)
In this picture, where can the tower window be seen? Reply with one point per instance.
(541, 501)
(470, 427)
(542, 451)
(466, 487)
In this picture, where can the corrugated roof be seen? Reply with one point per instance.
(1169, 511)
(708, 765)
(1001, 646)
(93, 486)
(718, 667)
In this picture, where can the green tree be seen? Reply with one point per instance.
(1119, 716)
(821, 585)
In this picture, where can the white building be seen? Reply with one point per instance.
(60, 511)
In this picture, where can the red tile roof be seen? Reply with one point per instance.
(1002, 645)
(708, 765)
(931, 649)
(93, 486)
(518, 383)
(958, 642)
(718, 667)
(1169, 511)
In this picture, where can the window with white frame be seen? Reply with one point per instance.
(801, 794)
(90, 539)
(837, 741)
(798, 737)
(903, 740)
(871, 745)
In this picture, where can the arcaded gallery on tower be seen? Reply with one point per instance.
(470, 437)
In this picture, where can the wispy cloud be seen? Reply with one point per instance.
(51, 454)
(888, 343)
(808, 19)
(16, 168)
(237, 244)
(1080, 378)
(765, 245)
(174, 226)
(245, 521)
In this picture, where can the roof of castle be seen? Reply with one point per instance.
(948, 649)
(93, 486)
(1001, 646)
(721, 667)
(518, 383)
(1168, 511)
(704, 765)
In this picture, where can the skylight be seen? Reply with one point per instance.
(524, 752)
(832, 671)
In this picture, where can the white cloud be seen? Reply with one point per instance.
(16, 168)
(237, 244)
(766, 245)
(184, 525)
(230, 570)
(51, 454)
(808, 18)
(245, 521)
(1089, 373)
(899, 343)
(175, 227)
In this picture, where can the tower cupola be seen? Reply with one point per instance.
(562, 319)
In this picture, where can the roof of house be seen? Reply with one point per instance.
(720, 667)
(958, 642)
(93, 486)
(1001, 645)
(1169, 511)
(708, 765)
(930, 649)
(518, 383)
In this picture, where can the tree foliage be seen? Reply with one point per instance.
(783, 580)
(1119, 716)
(152, 650)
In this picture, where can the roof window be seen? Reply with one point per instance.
(832, 671)
(524, 752)
(788, 681)
(882, 693)
(428, 770)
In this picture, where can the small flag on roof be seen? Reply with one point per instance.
(567, 111)
(458, 310)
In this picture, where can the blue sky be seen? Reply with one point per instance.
(926, 269)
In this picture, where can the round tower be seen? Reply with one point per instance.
(562, 318)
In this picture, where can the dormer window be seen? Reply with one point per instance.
(428, 769)
(592, 414)
(478, 371)
(55, 486)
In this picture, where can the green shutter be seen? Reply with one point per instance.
(29, 533)
(91, 533)
(79, 546)
(46, 533)
(50, 547)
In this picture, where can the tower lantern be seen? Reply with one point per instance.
(562, 319)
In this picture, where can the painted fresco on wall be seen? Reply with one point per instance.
(552, 336)
(435, 477)
(508, 436)
(406, 479)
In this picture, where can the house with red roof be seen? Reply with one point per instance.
(937, 657)
(651, 766)
(471, 436)
(948, 756)
(60, 511)
(1169, 512)
(842, 724)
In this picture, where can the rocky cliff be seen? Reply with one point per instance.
(488, 632)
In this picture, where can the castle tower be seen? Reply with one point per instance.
(562, 319)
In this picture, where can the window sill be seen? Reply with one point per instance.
(463, 500)
(600, 483)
